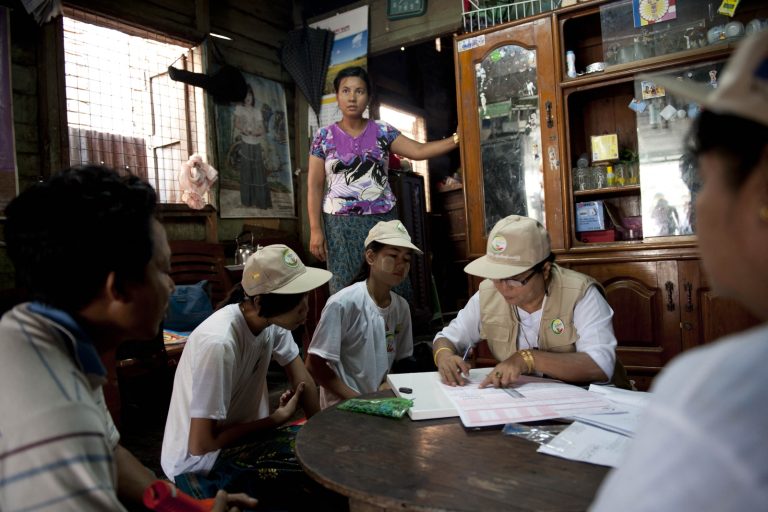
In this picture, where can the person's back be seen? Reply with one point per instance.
(712, 455)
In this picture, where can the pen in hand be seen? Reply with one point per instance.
(464, 357)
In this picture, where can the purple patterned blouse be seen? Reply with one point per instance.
(356, 169)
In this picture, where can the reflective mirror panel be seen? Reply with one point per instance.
(510, 135)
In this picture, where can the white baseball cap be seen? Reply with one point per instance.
(278, 269)
(515, 244)
(391, 233)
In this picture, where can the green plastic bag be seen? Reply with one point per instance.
(389, 407)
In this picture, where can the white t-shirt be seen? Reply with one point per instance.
(592, 318)
(222, 375)
(702, 444)
(361, 340)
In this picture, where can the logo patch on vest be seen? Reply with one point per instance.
(557, 326)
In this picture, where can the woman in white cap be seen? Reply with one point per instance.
(701, 445)
(219, 431)
(366, 327)
(537, 317)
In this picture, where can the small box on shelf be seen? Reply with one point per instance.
(590, 216)
(604, 235)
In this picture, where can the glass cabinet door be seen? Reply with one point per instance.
(510, 138)
(507, 122)
(668, 181)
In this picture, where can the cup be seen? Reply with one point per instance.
(599, 177)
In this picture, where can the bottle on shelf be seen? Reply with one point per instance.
(570, 59)
(610, 177)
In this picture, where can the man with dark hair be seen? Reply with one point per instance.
(87, 248)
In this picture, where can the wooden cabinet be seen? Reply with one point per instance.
(649, 265)
(507, 97)
(662, 308)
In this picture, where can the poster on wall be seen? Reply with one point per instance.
(255, 175)
(350, 48)
(7, 146)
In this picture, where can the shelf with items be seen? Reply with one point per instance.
(607, 191)
(597, 110)
(606, 33)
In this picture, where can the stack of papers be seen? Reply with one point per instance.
(601, 438)
(628, 407)
(529, 399)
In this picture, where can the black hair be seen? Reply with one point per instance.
(270, 304)
(355, 71)
(365, 269)
(66, 235)
(738, 140)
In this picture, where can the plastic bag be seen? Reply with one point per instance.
(541, 434)
(188, 306)
(389, 407)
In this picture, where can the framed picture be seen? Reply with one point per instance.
(254, 160)
(650, 90)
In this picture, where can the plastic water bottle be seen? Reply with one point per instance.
(570, 59)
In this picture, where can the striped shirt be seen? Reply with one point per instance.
(57, 439)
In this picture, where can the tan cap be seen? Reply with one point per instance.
(741, 91)
(515, 244)
(391, 233)
(278, 269)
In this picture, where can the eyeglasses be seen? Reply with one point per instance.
(517, 283)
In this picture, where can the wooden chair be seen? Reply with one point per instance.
(141, 373)
(192, 261)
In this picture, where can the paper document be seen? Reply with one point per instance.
(529, 399)
(628, 409)
(586, 443)
(429, 402)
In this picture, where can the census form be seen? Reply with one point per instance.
(429, 400)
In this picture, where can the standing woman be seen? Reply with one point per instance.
(348, 176)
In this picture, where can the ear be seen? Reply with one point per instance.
(546, 269)
(114, 291)
(256, 305)
(370, 256)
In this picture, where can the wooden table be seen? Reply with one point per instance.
(387, 464)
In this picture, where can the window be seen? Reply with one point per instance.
(413, 127)
(123, 110)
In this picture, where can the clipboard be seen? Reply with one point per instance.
(429, 401)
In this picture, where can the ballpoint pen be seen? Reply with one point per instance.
(464, 357)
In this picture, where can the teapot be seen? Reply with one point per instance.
(243, 247)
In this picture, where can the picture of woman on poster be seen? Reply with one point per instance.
(247, 153)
